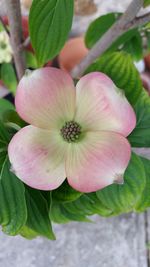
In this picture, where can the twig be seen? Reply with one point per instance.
(132, 10)
(139, 21)
(109, 37)
(14, 17)
(26, 42)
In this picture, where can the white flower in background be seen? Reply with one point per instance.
(5, 48)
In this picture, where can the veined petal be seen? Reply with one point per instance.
(100, 105)
(38, 157)
(46, 98)
(98, 161)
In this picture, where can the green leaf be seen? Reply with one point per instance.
(147, 45)
(38, 214)
(13, 212)
(57, 215)
(3, 155)
(7, 130)
(1, 27)
(4, 106)
(144, 201)
(74, 216)
(146, 3)
(12, 119)
(28, 233)
(31, 60)
(98, 27)
(65, 193)
(120, 68)
(4, 135)
(60, 214)
(134, 47)
(130, 41)
(86, 205)
(49, 23)
(8, 76)
(140, 137)
(123, 198)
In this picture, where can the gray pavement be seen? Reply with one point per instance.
(111, 242)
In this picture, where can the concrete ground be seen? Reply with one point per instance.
(112, 242)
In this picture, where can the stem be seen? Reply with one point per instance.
(26, 42)
(117, 29)
(139, 21)
(15, 22)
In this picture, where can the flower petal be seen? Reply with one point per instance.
(102, 106)
(98, 161)
(46, 98)
(37, 157)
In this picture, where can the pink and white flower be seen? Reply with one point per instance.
(75, 133)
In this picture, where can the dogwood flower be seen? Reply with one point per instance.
(75, 133)
(5, 48)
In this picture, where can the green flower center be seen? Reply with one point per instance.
(71, 131)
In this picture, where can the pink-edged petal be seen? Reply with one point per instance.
(46, 97)
(38, 157)
(98, 161)
(102, 106)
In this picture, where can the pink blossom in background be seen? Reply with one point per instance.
(79, 133)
